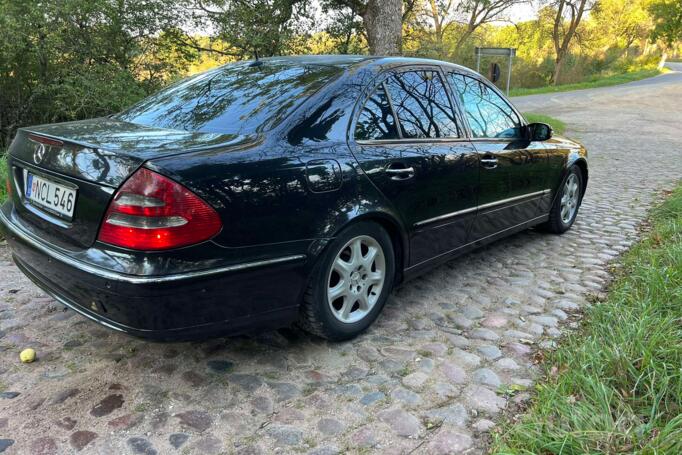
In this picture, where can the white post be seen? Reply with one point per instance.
(509, 72)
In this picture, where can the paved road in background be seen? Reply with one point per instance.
(427, 378)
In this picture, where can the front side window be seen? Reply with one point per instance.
(422, 105)
(376, 118)
(489, 115)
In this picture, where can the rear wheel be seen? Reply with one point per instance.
(350, 284)
(565, 208)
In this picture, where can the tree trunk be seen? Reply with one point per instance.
(437, 24)
(383, 21)
(558, 63)
(561, 45)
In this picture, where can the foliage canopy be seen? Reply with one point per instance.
(64, 60)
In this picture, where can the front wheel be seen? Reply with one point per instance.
(565, 208)
(350, 284)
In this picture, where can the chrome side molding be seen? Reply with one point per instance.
(134, 279)
(482, 207)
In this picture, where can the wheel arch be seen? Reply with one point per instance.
(395, 230)
(581, 163)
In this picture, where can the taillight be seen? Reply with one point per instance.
(152, 212)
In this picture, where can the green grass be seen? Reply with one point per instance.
(558, 126)
(615, 386)
(3, 178)
(607, 81)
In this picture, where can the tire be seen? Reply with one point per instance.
(351, 281)
(563, 214)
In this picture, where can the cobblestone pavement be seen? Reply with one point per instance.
(428, 378)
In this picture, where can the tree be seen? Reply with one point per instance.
(71, 59)
(667, 15)
(469, 15)
(439, 11)
(345, 27)
(382, 21)
(620, 23)
(249, 27)
(567, 18)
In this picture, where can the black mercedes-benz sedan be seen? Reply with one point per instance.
(285, 190)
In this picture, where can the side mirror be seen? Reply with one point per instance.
(494, 74)
(539, 132)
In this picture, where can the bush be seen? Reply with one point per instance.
(3, 177)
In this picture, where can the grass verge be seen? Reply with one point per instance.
(615, 386)
(607, 81)
(3, 178)
(556, 124)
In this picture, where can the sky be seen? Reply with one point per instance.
(523, 12)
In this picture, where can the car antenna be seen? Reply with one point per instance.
(256, 62)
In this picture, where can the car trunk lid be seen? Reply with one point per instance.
(91, 158)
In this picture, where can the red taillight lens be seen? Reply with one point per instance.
(152, 212)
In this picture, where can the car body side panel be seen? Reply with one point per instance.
(445, 182)
(267, 198)
(562, 154)
(519, 178)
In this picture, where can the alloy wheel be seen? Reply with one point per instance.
(569, 198)
(356, 279)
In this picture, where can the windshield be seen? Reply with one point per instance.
(238, 98)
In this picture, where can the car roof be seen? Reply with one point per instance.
(329, 60)
(349, 60)
(397, 61)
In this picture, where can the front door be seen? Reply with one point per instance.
(513, 181)
(409, 141)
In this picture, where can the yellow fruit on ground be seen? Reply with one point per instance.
(27, 355)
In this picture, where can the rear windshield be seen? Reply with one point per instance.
(237, 98)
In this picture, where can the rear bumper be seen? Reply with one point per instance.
(220, 301)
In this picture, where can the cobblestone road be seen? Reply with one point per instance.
(426, 378)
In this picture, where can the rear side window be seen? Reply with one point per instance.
(237, 98)
(376, 118)
(489, 115)
(422, 105)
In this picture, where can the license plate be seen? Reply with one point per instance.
(50, 195)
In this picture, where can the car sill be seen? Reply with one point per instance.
(482, 207)
(132, 279)
(477, 241)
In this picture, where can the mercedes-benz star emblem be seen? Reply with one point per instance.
(39, 154)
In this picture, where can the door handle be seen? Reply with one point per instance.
(400, 173)
(489, 163)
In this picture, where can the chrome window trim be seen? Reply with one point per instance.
(502, 140)
(132, 279)
(424, 140)
(446, 216)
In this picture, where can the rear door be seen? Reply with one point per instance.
(513, 181)
(409, 141)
